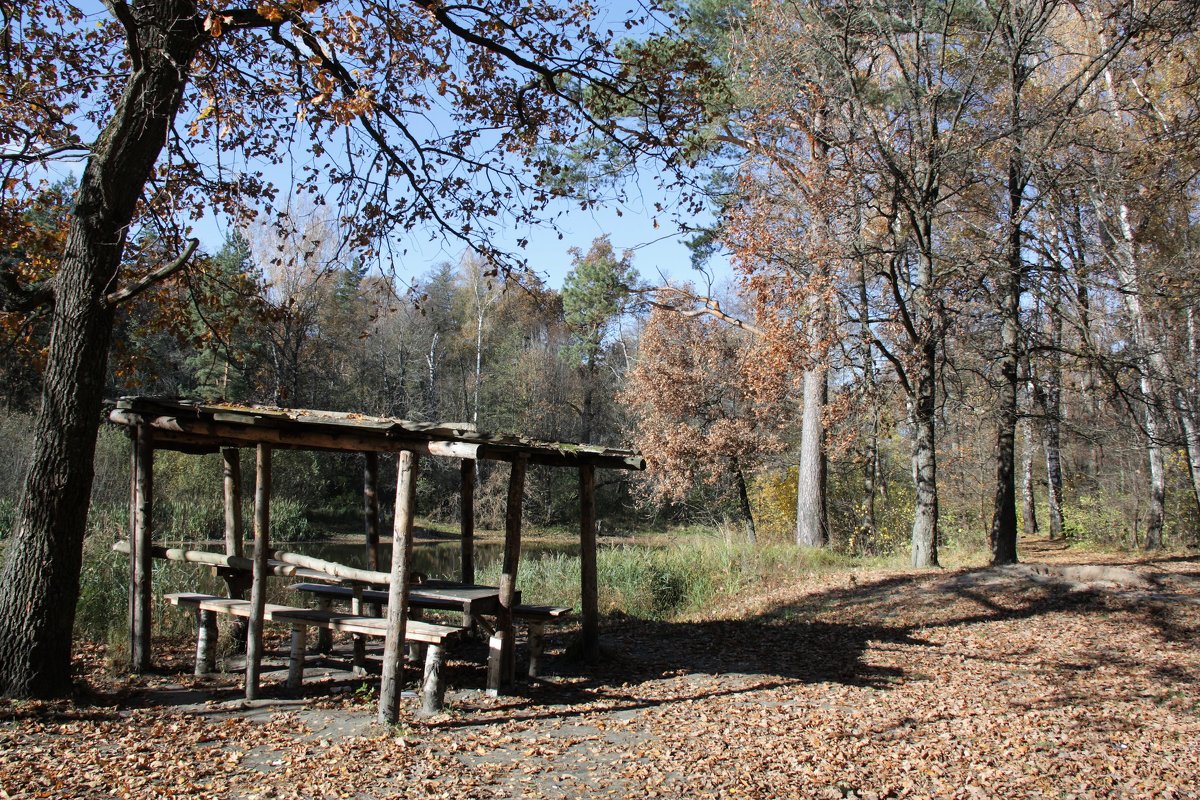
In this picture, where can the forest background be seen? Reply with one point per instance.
(963, 234)
(1008, 190)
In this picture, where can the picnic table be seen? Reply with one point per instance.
(474, 601)
(471, 599)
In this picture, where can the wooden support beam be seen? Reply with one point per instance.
(467, 518)
(235, 583)
(371, 508)
(195, 432)
(501, 676)
(141, 558)
(131, 616)
(258, 587)
(232, 469)
(402, 536)
(371, 518)
(588, 586)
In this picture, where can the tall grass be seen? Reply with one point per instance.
(102, 612)
(682, 577)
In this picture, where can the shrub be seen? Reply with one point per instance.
(289, 523)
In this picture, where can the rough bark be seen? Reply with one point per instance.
(1003, 537)
(924, 460)
(810, 490)
(40, 579)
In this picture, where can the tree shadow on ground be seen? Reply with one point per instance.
(798, 642)
(822, 637)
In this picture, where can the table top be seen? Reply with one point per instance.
(470, 598)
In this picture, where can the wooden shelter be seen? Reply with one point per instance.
(197, 427)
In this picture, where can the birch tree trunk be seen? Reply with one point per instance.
(1029, 503)
(1149, 357)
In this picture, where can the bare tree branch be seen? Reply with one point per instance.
(133, 290)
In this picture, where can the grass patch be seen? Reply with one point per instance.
(681, 576)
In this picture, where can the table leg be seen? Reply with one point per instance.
(495, 663)
(295, 677)
(433, 688)
(536, 643)
(360, 641)
(206, 642)
(324, 635)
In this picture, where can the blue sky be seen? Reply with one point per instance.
(658, 246)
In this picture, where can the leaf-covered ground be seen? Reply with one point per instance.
(1058, 681)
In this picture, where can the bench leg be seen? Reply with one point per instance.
(433, 688)
(495, 663)
(295, 677)
(359, 641)
(206, 642)
(324, 635)
(536, 643)
(412, 650)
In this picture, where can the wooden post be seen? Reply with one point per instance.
(397, 611)
(500, 675)
(467, 520)
(371, 520)
(258, 588)
(588, 587)
(371, 508)
(131, 616)
(140, 555)
(232, 467)
(235, 582)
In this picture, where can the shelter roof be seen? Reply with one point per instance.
(196, 426)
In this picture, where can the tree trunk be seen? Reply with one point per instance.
(1028, 502)
(744, 502)
(866, 525)
(1191, 439)
(40, 580)
(811, 530)
(1050, 396)
(924, 460)
(1004, 509)
(1149, 357)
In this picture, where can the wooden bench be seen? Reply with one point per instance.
(434, 637)
(535, 618)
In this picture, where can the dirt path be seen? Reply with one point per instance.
(1050, 681)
